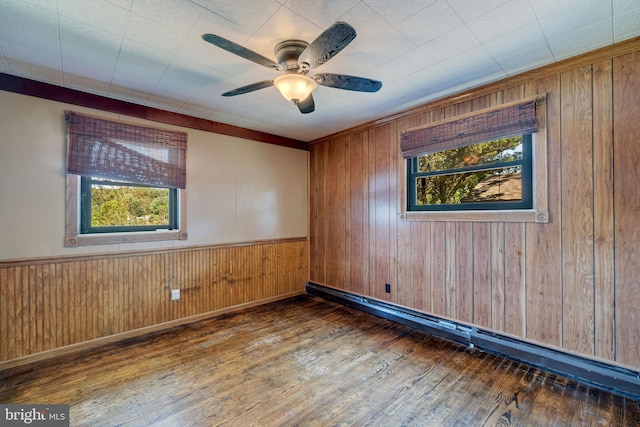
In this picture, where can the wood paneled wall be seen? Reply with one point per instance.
(572, 283)
(47, 304)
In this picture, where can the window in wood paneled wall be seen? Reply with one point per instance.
(531, 206)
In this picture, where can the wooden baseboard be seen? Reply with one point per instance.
(136, 333)
(602, 375)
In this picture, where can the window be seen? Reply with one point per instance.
(125, 182)
(489, 165)
(113, 206)
(490, 175)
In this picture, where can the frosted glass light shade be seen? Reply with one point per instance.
(294, 87)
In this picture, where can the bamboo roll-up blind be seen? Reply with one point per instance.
(513, 119)
(125, 152)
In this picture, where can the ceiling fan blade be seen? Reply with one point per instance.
(235, 48)
(307, 106)
(326, 45)
(341, 81)
(249, 88)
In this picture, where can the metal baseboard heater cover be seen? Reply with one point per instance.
(602, 375)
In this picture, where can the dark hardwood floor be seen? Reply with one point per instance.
(307, 362)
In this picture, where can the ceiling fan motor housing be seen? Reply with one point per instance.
(287, 53)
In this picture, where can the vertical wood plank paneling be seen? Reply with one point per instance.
(66, 295)
(603, 217)
(514, 279)
(336, 203)
(357, 212)
(41, 307)
(372, 202)
(403, 260)
(61, 326)
(22, 345)
(163, 291)
(515, 307)
(348, 215)
(464, 262)
(254, 277)
(131, 286)
(139, 291)
(555, 283)
(36, 289)
(420, 259)
(497, 276)
(156, 283)
(45, 305)
(108, 288)
(214, 284)
(318, 218)
(83, 292)
(451, 271)
(269, 269)
(324, 213)
(97, 285)
(482, 274)
(367, 214)
(543, 245)
(287, 266)
(577, 211)
(393, 153)
(12, 313)
(226, 265)
(189, 285)
(31, 324)
(314, 223)
(241, 261)
(117, 297)
(227, 276)
(626, 116)
(514, 93)
(5, 318)
(404, 280)
(58, 322)
(438, 268)
(204, 278)
(382, 222)
(46, 315)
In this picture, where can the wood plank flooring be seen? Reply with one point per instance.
(307, 362)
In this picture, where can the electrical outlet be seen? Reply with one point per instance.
(175, 294)
(387, 288)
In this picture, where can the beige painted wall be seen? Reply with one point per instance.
(238, 190)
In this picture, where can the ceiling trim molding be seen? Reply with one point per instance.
(51, 92)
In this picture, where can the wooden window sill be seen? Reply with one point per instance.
(528, 215)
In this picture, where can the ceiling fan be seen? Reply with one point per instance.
(295, 58)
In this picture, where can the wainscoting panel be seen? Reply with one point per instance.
(46, 304)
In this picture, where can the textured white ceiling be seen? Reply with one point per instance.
(150, 52)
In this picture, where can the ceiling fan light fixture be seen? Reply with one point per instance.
(295, 87)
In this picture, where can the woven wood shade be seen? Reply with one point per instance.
(125, 152)
(514, 119)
